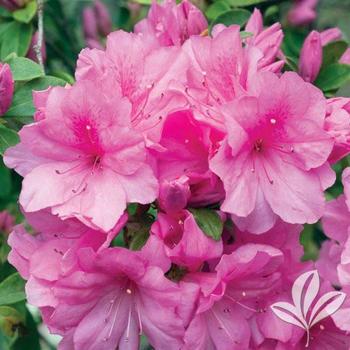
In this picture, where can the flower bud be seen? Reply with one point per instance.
(345, 58)
(6, 88)
(104, 23)
(311, 57)
(31, 52)
(90, 23)
(329, 35)
(13, 5)
(173, 195)
(303, 12)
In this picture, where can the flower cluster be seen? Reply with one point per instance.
(168, 187)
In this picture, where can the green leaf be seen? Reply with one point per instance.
(216, 9)
(209, 222)
(27, 13)
(10, 320)
(12, 290)
(238, 16)
(8, 138)
(139, 240)
(333, 77)
(291, 63)
(24, 69)
(332, 52)
(144, 2)
(22, 104)
(5, 181)
(245, 35)
(243, 3)
(16, 38)
(5, 13)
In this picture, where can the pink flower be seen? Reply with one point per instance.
(268, 41)
(82, 160)
(336, 224)
(302, 12)
(325, 336)
(311, 57)
(123, 296)
(228, 297)
(275, 153)
(223, 68)
(337, 124)
(184, 242)
(6, 88)
(143, 73)
(186, 145)
(172, 24)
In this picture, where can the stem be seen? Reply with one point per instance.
(39, 43)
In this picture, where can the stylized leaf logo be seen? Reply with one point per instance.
(304, 292)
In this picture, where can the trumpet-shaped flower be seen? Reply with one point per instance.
(82, 160)
(273, 161)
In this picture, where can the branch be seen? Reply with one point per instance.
(39, 43)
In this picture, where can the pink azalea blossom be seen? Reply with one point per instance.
(186, 145)
(172, 24)
(337, 124)
(222, 67)
(144, 74)
(108, 300)
(228, 297)
(184, 242)
(82, 160)
(275, 153)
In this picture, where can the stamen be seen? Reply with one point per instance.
(114, 320)
(240, 304)
(128, 291)
(62, 172)
(139, 318)
(128, 327)
(273, 121)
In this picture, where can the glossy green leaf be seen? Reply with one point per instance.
(24, 69)
(209, 222)
(243, 3)
(332, 52)
(22, 104)
(333, 77)
(16, 38)
(238, 16)
(245, 35)
(12, 290)
(216, 9)
(144, 2)
(10, 320)
(26, 13)
(8, 138)
(5, 181)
